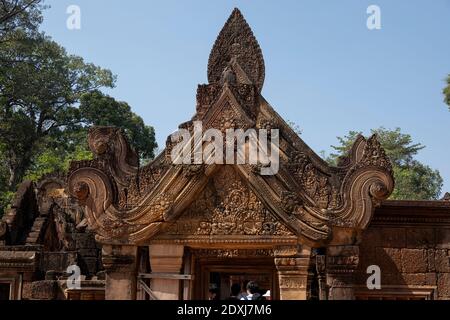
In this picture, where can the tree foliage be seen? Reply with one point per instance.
(99, 109)
(447, 92)
(295, 127)
(49, 99)
(19, 14)
(39, 92)
(413, 180)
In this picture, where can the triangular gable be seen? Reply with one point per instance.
(319, 203)
(227, 207)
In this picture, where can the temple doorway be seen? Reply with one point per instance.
(221, 274)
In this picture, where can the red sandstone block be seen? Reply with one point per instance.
(414, 261)
(389, 260)
(419, 279)
(442, 262)
(444, 284)
(431, 260)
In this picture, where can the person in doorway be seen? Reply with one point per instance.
(235, 291)
(213, 292)
(243, 293)
(253, 292)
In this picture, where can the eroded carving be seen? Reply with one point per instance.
(237, 46)
(227, 207)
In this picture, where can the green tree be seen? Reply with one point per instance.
(447, 92)
(39, 92)
(99, 109)
(413, 180)
(49, 98)
(70, 144)
(19, 14)
(295, 127)
(5, 195)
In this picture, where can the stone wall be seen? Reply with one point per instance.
(410, 242)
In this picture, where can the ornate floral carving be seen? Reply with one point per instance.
(374, 154)
(315, 183)
(267, 124)
(227, 207)
(232, 253)
(342, 259)
(289, 201)
(228, 119)
(292, 282)
(236, 46)
(207, 95)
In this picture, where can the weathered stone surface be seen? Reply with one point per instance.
(44, 290)
(420, 237)
(26, 290)
(444, 284)
(389, 260)
(443, 238)
(371, 238)
(431, 260)
(58, 261)
(91, 252)
(414, 260)
(442, 262)
(388, 279)
(393, 237)
(384, 237)
(85, 240)
(419, 279)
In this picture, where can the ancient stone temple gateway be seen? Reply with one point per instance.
(171, 231)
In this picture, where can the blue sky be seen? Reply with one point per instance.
(324, 69)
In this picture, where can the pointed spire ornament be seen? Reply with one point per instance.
(236, 47)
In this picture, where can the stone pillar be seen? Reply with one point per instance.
(166, 260)
(292, 263)
(120, 266)
(322, 276)
(341, 265)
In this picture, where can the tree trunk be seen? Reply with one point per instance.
(17, 170)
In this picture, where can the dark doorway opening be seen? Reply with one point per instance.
(5, 290)
(220, 275)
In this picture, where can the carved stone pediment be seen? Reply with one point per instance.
(306, 200)
(227, 207)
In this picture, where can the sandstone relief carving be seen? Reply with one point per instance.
(307, 198)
